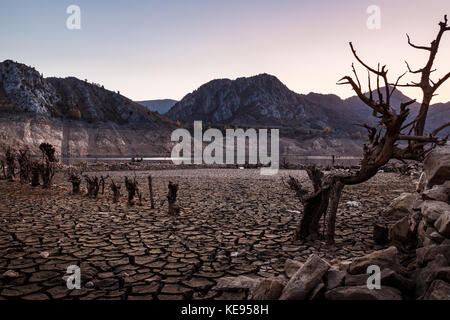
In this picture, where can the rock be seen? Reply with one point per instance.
(356, 279)
(318, 293)
(236, 283)
(291, 267)
(425, 276)
(436, 237)
(380, 233)
(439, 290)
(305, 279)
(267, 289)
(402, 232)
(44, 254)
(363, 293)
(432, 210)
(421, 232)
(353, 204)
(391, 278)
(386, 258)
(335, 278)
(426, 254)
(11, 274)
(344, 265)
(438, 192)
(403, 205)
(89, 285)
(437, 167)
(442, 224)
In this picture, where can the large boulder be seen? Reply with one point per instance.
(305, 279)
(387, 258)
(403, 205)
(425, 276)
(437, 167)
(438, 192)
(432, 210)
(363, 293)
(402, 232)
(429, 253)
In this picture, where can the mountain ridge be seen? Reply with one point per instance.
(225, 101)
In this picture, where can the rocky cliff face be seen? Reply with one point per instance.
(256, 101)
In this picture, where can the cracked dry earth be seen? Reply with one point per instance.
(233, 222)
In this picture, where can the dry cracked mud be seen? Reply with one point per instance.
(232, 222)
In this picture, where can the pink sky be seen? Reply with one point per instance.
(166, 49)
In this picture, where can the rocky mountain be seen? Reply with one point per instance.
(263, 100)
(160, 106)
(256, 101)
(85, 119)
(23, 89)
(80, 118)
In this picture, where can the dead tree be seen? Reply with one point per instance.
(172, 199)
(24, 161)
(93, 186)
(10, 163)
(35, 173)
(115, 188)
(3, 169)
(48, 164)
(150, 188)
(132, 189)
(75, 180)
(102, 183)
(390, 139)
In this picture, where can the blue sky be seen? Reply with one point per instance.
(166, 49)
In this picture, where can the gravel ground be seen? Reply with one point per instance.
(232, 222)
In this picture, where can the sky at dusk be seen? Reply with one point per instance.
(166, 49)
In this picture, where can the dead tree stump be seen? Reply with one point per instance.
(35, 173)
(116, 191)
(102, 183)
(150, 188)
(132, 189)
(75, 179)
(93, 186)
(10, 164)
(172, 199)
(3, 169)
(48, 165)
(24, 165)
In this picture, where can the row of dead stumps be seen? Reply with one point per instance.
(20, 162)
(32, 171)
(96, 184)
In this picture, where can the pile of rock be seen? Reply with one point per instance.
(415, 266)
